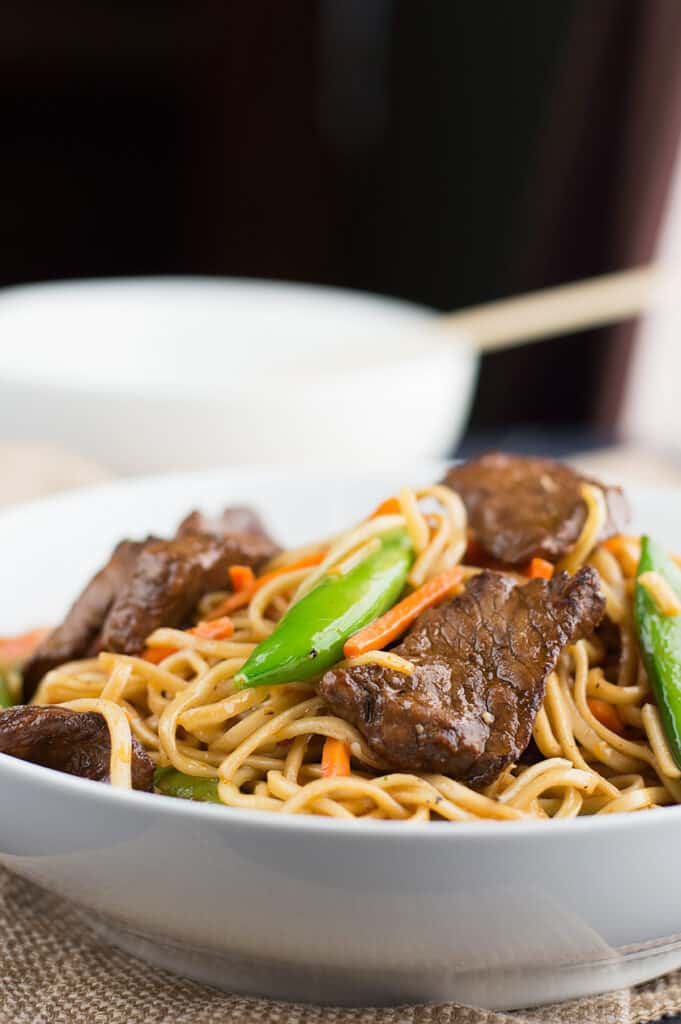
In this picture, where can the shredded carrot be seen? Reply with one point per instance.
(20, 648)
(607, 715)
(475, 554)
(243, 597)
(381, 632)
(242, 576)
(539, 569)
(335, 758)
(157, 654)
(613, 544)
(389, 507)
(216, 629)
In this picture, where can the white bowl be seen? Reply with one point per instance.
(180, 373)
(499, 914)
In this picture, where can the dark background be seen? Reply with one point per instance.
(445, 151)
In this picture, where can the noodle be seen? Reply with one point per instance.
(264, 745)
(666, 601)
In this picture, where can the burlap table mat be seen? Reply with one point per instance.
(54, 970)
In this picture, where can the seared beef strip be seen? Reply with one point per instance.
(75, 742)
(522, 508)
(168, 580)
(239, 523)
(170, 576)
(481, 663)
(77, 636)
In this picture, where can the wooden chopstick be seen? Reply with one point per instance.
(553, 311)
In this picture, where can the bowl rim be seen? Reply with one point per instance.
(451, 347)
(140, 801)
(55, 783)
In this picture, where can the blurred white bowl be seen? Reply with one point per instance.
(173, 373)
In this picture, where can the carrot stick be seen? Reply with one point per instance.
(389, 507)
(475, 554)
(216, 629)
(242, 576)
(157, 654)
(335, 758)
(243, 597)
(381, 632)
(613, 544)
(540, 569)
(607, 714)
(21, 647)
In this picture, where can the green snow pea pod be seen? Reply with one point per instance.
(310, 637)
(659, 637)
(173, 783)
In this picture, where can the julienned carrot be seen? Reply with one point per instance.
(389, 507)
(241, 576)
(157, 654)
(474, 554)
(607, 714)
(243, 597)
(540, 569)
(335, 758)
(613, 544)
(216, 629)
(380, 632)
(20, 648)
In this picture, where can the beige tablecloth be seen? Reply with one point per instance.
(53, 970)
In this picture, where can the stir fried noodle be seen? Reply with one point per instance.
(264, 744)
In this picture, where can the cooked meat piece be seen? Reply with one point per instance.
(522, 508)
(237, 536)
(75, 742)
(167, 582)
(241, 526)
(77, 636)
(481, 662)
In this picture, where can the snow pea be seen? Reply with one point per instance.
(5, 697)
(10, 686)
(173, 783)
(660, 641)
(310, 637)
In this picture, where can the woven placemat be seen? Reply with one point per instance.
(54, 970)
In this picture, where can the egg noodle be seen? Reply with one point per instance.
(264, 744)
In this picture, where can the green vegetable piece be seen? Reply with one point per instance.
(660, 641)
(5, 697)
(10, 686)
(310, 637)
(173, 783)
